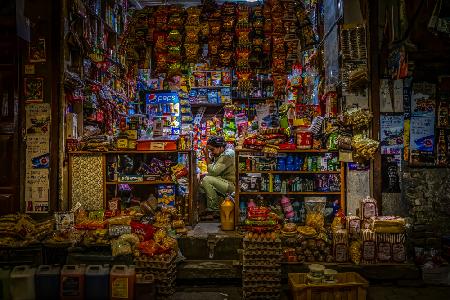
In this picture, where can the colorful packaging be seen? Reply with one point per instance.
(166, 194)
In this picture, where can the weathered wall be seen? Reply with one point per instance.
(427, 196)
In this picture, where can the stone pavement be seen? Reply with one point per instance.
(375, 293)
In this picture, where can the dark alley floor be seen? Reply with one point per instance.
(375, 293)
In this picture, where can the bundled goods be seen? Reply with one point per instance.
(312, 247)
(261, 272)
(390, 247)
(20, 230)
(355, 252)
(260, 219)
(358, 78)
(338, 221)
(364, 148)
(353, 226)
(356, 118)
(96, 143)
(315, 213)
(340, 245)
(387, 224)
(369, 246)
(368, 208)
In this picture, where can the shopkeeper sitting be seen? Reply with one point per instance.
(220, 179)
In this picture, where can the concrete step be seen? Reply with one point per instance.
(207, 241)
(209, 271)
(231, 270)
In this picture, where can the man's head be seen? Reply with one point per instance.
(216, 145)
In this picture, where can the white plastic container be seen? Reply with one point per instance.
(22, 283)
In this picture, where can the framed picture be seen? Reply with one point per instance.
(36, 51)
(33, 90)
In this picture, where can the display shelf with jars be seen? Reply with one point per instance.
(296, 174)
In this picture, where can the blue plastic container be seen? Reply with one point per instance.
(97, 282)
(298, 163)
(281, 164)
(48, 282)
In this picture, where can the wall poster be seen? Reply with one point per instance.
(33, 90)
(391, 127)
(422, 135)
(36, 51)
(37, 158)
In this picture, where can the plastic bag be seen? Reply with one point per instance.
(120, 247)
(315, 213)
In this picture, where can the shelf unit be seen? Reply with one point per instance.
(149, 182)
(99, 25)
(210, 87)
(106, 184)
(242, 153)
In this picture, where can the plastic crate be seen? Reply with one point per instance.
(348, 286)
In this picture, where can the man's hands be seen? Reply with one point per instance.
(206, 154)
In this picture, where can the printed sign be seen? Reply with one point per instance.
(37, 157)
(162, 97)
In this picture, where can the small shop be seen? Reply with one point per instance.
(256, 117)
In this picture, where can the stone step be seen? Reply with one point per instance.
(232, 270)
(207, 241)
(208, 270)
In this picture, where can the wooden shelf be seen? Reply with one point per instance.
(252, 98)
(210, 87)
(289, 172)
(128, 151)
(141, 182)
(289, 193)
(195, 105)
(293, 151)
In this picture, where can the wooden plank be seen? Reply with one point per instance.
(343, 189)
(374, 72)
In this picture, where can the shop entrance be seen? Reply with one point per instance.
(9, 157)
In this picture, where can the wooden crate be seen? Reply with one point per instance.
(349, 286)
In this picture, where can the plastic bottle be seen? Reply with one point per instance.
(270, 183)
(227, 214)
(72, 282)
(290, 163)
(122, 282)
(287, 207)
(22, 285)
(243, 211)
(97, 282)
(277, 184)
(5, 283)
(284, 187)
(281, 164)
(48, 282)
(145, 288)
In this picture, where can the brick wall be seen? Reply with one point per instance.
(427, 196)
